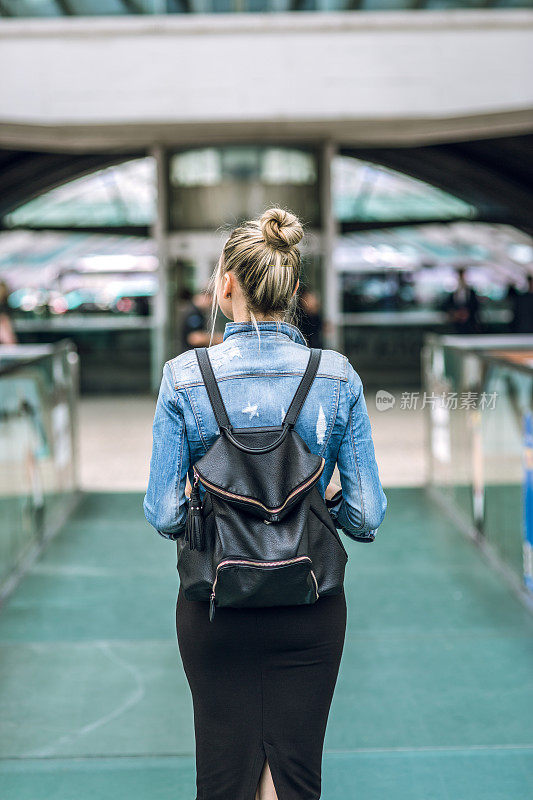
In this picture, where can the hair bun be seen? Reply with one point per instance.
(281, 229)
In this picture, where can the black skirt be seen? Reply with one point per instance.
(262, 682)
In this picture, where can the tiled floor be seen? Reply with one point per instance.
(434, 698)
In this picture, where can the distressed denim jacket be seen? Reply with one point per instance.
(257, 378)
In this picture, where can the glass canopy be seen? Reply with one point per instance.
(366, 193)
(125, 195)
(58, 8)
(119, 196)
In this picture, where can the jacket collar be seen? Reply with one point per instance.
(265, 326)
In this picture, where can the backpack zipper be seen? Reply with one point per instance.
(246, 562)
(277, 509)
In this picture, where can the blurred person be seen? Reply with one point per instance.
(511, 296)
(522, 308)
(262, 678)
(406, 294)
(194, 331)
(310, 317)
(462, 307)
(7, 331)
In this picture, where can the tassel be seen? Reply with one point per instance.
(194, 529)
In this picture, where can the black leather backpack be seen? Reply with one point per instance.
(262, 536)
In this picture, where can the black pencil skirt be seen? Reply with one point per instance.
(262, 682)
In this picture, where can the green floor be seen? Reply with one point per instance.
(434, 699)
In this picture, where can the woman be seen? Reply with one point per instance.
(262, 679)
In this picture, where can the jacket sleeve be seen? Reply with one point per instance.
(360, 507)
(165, 503)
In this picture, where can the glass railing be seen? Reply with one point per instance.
(92, 8)
(478, 392)
(38, 454)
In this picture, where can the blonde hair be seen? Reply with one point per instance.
(264, 256)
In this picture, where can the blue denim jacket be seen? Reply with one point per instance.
(257, 378)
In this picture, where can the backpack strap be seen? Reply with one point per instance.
(215, 398)
(213, 392)
(303, 388)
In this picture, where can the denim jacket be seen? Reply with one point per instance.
(257, 378)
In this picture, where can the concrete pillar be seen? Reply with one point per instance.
(161, 316)
(330, 287)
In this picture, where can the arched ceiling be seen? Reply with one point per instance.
(495, 175)
(26, 174)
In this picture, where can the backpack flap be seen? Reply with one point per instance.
(266, 483)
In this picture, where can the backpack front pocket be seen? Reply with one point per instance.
(242, 582)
